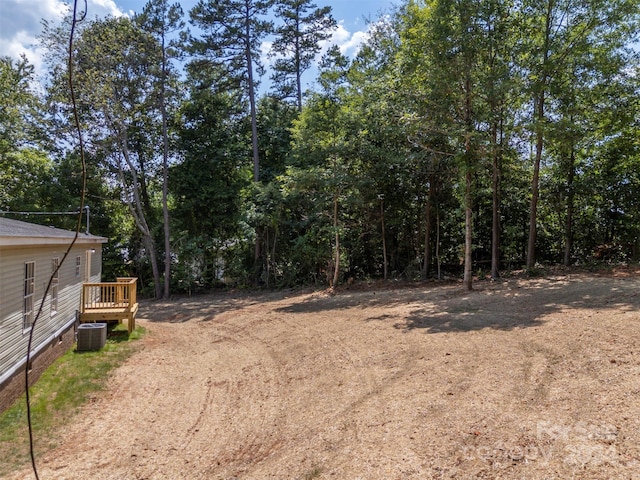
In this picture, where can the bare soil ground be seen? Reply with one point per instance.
(519, 379)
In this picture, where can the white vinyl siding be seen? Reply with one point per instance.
(13, 259)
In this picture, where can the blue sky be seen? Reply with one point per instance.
(20, 21)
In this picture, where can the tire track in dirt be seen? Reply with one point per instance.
(347, 387)
(330, 425)
(232, 403)
(198, 422)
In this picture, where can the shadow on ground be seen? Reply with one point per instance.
(431, 307)
(524, 304)
(503, 305)
(207, 307)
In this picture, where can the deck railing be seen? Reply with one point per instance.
(110, 301)
(104, 295)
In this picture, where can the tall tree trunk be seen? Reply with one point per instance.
(252, 103)
(427, 236)
(272, 255)
(431, 195)
(149, 244)
(267, 259)
(134, 199)
(469, 153)
(165, 174)
(535, 185)
(539, 117)
(136, 207)
(568, 235)
(468, 221)
(144, 191)
(384, 241)
(495, 223)
(298, 64)
(254, 131)
(468, 167)
(438, 243)
(336, 267)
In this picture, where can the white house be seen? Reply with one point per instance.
(29, 254)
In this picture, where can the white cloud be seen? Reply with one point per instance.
(265, 50)
(102, 8)
(24, 16)
(349, 43)
(21, 23)
(22, 44)
(352, 46)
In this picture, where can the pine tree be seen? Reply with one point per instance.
(298, 42)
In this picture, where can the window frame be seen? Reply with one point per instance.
(29, 294)
(55, 283)
(87, 266)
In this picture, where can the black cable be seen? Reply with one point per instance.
(10, 212)
(74, 21)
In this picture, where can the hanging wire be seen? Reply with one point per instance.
(74, 21)
(11, 212)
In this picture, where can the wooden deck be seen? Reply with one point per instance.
(110, 301)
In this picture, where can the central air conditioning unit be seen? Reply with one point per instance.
(91, 336)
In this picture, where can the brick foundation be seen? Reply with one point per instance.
(11, 389)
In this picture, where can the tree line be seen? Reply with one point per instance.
(465, 138)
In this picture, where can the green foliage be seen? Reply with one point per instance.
(297, 43)
(21, 115)
(275, 119)
(208, 184)
(421, 149)
(25, 176)
(230, 30)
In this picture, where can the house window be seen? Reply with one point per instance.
(55, 262)
(29, 292)
(87, 266)
(78, 265)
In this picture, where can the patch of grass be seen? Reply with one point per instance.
(58, 395)
(315, 472)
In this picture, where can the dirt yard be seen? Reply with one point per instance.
(519, 379)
